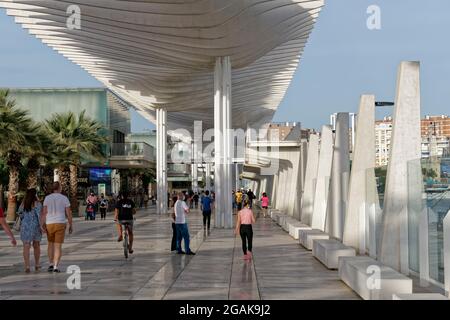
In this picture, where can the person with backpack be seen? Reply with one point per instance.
(205, 206)
(103, 207)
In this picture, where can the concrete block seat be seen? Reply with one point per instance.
(329, 251)
(419, 296)
(273, 214)
(359, 273)
(281, 219)
(287, 222)
(306, 237)
(294, 229)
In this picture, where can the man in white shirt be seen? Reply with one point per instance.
(181, 209)
(53, 222)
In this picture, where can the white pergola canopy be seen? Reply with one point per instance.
(161, 54)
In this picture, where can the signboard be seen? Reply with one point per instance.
(101, 188)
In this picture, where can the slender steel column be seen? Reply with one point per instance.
(223, 142)
(161, 160)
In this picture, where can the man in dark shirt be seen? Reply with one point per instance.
(206, 209)
(124, 212)
(251, 197)
(196, 197)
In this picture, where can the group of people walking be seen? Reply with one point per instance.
(52, 218)
(245, 218)
(93, 204)
(240, 196)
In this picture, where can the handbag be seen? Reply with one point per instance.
(17, 224)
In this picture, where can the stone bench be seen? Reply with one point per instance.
(287, 222)
(281, 218)
(329, 251)
(357, 274)
(294, 229)
(306, 237)
(419, 296)
(274, 213)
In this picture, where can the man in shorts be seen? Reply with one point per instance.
(124, 212)
(53, 222)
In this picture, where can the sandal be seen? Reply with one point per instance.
(37, 268)
(27, 270)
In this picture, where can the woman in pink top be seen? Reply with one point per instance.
(265, 203)
(244, 223)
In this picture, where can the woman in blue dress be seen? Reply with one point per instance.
(30, 230)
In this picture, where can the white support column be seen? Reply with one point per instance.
(405, 147)
(312, 163)
(161, 161)
(194, 169)
(223, 142)
(340, 175)
(323, 179)
(208, 177)
(236, 187)
(358, 195)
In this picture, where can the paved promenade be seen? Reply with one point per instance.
(281, 269)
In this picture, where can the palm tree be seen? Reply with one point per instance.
(76, 138)
(17, 131)
(43, 152)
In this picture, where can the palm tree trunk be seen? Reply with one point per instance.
(47, 179)
(32, 179)
(12, 192)
(73, 187)
(1, 196)
(64, 178)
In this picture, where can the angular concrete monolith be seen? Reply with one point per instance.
(405, 147)
(340, 175)
(363, 160)
(323, 179)
(301, 179)
(310, 179)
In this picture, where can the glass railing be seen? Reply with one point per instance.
(133, 149)
(373, 211)
(428, 204)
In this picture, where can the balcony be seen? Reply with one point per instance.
(132, 155)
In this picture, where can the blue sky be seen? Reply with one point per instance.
(342, 60)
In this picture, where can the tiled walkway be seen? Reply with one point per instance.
(281, 269)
